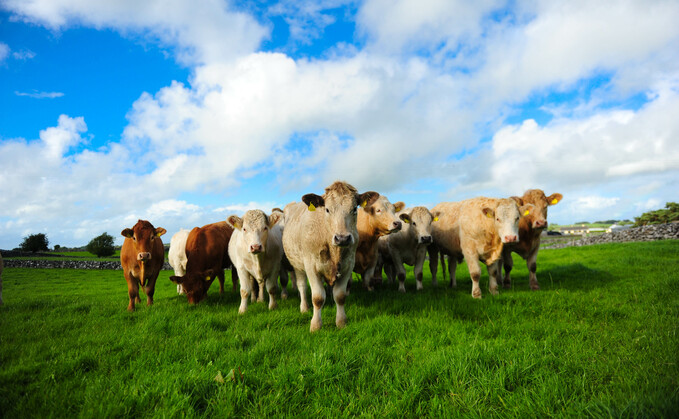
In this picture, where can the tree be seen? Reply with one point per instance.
(35, 243)
(101, 245)
(667, 215)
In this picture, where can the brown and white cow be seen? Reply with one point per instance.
(374, 221)
(256, 250)
(477, 229)
(530, 229)
(207, 255)
(408, 246)
(142, 257)
(320, 239)
(177, 255)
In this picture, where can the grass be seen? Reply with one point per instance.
(599, 339)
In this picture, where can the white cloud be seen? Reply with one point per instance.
(4, 51)
(40, 95)
(23, 55)
(205, 31)
(242, 208)
(595, 202)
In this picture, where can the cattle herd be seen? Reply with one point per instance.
(324, 238)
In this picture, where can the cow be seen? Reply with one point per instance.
(320, 239)
(177, 255)
(530, 229)
(477, 229)
(1, 268)
(207, 255)
(408, 246)
(256, 250)
(374, 221)
(142, 257)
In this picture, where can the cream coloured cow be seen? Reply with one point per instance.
(408, 246)
(256, 250)
(374, 221)
(320, 241)
(530, 229)
(177, 255)
(477, 230)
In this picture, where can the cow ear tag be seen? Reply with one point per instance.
(406, 221)
(436, 218)
(207, 278)
(554, 201)
(312, 207)
(364, 204)
(526, 213)
(489, 215)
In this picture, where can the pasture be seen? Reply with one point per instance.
(599, 339)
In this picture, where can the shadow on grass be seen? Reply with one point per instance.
(572, 277)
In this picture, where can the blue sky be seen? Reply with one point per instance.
(183, 115)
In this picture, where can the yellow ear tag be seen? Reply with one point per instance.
(436, 218)
(364, 204)
(489, 215)
(207, 278)
(526, 213)
(554, 201)
(406, 221)
(312, 207)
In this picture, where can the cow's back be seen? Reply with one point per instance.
(177, 253)
(446, 232)
(298, 228)
(207, 247)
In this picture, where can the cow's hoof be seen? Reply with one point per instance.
(507, 285)
(476, 294)
(535, 287)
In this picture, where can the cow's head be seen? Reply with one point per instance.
(339, 206)
(143, 235)
(195, 284)
(381, 216)
(506, 216)
(541, 202)
(254, 226)
(420, 223)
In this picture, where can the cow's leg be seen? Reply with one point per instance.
(300, 277)
(339, 293)
(272, 288)
(531, 261)
(433, 252)
(452, 270)
(417, 268)
(508, 263)
(397, 266)
(317, 298)
(472, 259)
(389, 270)
(368, 275)
(260, 294)
(283, 275)
(293, 281)
(494, 271)
(150, 289)
(220, 278)
(234, 278)
(132, 290)
(246, 281)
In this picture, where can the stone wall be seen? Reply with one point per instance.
(69, 264)
(638, 234)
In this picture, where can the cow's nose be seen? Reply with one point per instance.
(540, 223)
(255, 248)
(144, 256)
(511, 239)
(426, 239)
(397, 225)
(342, 240)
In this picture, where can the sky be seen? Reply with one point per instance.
(184, 112)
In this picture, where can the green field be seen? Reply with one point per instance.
(600, 339)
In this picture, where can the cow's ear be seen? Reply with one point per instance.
(177, 279)
(488, 212)
(127, 233)
(160, 231)
(405, 217)
(313, 201)
(526, 209)
(235, 221)
(274, 218)
(435, 215)
(399, 206)
(518, 200)
(366, 199)
(554, 198)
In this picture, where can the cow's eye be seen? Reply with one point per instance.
(414, 223)
(244, 230)
(378, 211)
(266, 228)
(327, 211)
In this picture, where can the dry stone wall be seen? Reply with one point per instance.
(69, 264)
(637, 234)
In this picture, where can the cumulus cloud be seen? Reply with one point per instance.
(4, 51)
(200, 32)
(23, 55)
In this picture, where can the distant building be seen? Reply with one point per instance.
(579, 230)
(616, 227)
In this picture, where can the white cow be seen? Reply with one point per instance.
(408, 245)
(177, 255)
(256, 250)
